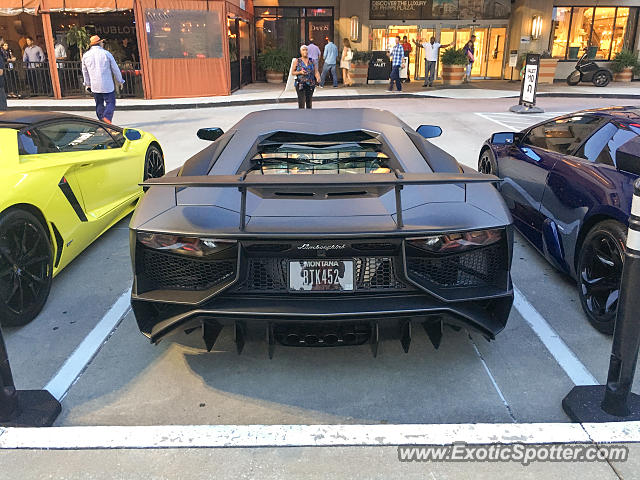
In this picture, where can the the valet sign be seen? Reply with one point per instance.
(400, 9)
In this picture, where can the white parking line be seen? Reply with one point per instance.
(203, 436)
(486, 117)
(80, 358)
(565, 357)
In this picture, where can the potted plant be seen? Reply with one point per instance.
(454, 62)
(360, 67)
(275, 62)
(623, 66)
(79, 37)
(548, 66)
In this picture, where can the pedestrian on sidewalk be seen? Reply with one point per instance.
(431, 55)
(10, 80)
(3, 94)
(330, 57)
(397, 57)
(345, 62)
(33, 58)
(469, 51)
(406, 46)
(99, 70)
(314, 52)
(306, 72)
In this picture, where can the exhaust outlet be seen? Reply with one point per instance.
(349, 338)
(311, 339)
(330, 339)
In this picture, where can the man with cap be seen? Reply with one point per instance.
(99, 70)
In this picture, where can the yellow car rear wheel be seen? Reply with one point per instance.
(26, 267)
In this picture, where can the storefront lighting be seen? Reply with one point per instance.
(536, 27)
(355, 28)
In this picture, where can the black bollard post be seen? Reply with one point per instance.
(615, 402)
(23, 408)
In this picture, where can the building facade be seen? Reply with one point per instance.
(193, 48)
(503, 28)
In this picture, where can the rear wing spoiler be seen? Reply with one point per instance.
(285, 182)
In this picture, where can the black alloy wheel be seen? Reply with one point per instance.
(601, 78)
(153, 163)
(26, 267)
(487, 163)
(599, 273)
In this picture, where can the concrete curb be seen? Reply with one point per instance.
(328, 98)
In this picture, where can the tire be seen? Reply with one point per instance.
(599, 272)
(487, 162)
(574, 78)
(153, 164)
(601, 78)
(26, 267)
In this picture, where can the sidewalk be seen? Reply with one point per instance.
(264, 93)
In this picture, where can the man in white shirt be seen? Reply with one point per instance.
(99, 70)
(431, 51)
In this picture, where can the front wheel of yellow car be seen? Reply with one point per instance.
(26, 267)
(153, 163)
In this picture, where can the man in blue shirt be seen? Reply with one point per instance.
(330, 57)
(397, 56)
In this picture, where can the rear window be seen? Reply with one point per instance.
(305, 154)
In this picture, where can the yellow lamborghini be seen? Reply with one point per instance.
(65, 180)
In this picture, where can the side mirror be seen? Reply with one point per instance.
(132, 134)
(429, 131)
(628, 162)
(503, 138)
(210, 134)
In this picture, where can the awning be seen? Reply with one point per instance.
(85, 6)
(16, 7)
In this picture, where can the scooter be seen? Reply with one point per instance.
(589, 71)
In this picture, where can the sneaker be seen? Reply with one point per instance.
(320, 86)
(431, 84)
(335, 86)
(425, 85)
(389, 90)
(106, 120)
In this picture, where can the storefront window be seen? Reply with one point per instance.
(601, 31)
(560, 33)
(183, 34)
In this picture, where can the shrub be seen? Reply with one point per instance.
(624, 59)
(452, 56)
(275, 59)
(361, 57)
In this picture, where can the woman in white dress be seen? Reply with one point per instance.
(345, 62)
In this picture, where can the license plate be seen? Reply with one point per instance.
(321, 275)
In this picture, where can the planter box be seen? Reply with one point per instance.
(547, 70)
(358, 73)
(624, 76)
(452, 74)
(274, 76)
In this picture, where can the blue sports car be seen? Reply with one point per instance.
(568, 183)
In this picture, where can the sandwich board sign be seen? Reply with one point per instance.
(530, 80)
(527, 101)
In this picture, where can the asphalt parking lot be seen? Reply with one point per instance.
(547, 347)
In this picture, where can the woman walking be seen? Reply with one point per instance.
(306, 72)
(345, 63)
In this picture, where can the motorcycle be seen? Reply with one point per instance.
(589, 71)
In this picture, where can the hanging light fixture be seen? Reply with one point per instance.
(536, 27)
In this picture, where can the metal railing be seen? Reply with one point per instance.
(34, 80)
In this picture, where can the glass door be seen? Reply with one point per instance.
(234, 53)
(495, 57)
(447, 36)
(425, 36)
(411, 32)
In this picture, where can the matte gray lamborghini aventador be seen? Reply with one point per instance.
(321, 227)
